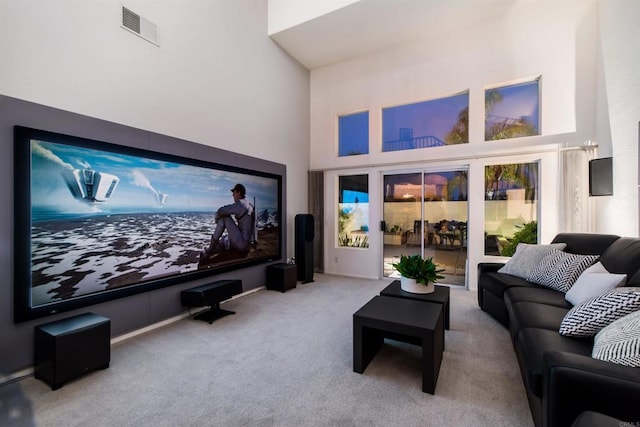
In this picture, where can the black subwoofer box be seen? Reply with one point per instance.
(66, 349)
(281, 277)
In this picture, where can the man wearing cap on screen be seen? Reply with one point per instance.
(237, 220)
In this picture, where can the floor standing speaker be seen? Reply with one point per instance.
(304, 247)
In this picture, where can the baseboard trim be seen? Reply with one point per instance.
(16, 376)
(19, 375)
(180, 316)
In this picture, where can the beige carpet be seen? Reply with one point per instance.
(286, 360)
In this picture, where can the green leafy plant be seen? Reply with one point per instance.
(354, 242)
(528, 233)
(343, 219)
(423, 270)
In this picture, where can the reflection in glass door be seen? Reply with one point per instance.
(427, 213)
(402, 213)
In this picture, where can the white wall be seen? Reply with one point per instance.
(555, 40)
(620, 115)
(216, 79)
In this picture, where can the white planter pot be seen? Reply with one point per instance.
(410, 285)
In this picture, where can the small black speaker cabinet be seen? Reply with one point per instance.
(281, 277)
(68, 348)
(601, 177)
(304, 246)
(211, 294)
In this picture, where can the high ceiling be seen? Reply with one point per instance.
(372, 25)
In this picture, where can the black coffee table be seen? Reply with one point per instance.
(415, 322)
(440, 296)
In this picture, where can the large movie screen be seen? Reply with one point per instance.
(98, 221)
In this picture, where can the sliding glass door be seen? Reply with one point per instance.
(402, 218)
(426, 213)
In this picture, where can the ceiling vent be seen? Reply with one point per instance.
(139, 26)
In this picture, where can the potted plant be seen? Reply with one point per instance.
(418, 274)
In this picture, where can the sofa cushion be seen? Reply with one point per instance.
(497, 283)
(592, 315)
(538, 294)
(559, 270)
(532, 315)
(622, 257)
(532, 343)
(586, 243)
(596, 419)
(527, 257)
(620, 341)
(594, 281)
(634, 280)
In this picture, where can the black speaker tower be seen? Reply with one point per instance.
(304, 247)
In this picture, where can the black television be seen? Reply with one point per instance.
(96, 221)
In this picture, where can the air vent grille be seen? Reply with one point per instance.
(131, 20)
(139, 26)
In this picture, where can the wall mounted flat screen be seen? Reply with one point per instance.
(97, 221)
(601, 177)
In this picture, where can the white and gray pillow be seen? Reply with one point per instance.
(588, 318)
(527, 257)
(559, 270)
(594, 281)
(620, 341)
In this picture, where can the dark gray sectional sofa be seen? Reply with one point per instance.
(561, 378)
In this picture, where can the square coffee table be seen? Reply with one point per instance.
(414, 322)
(440, 296)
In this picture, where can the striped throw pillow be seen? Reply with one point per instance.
(559, 270)
(588, 318)
(620, 341)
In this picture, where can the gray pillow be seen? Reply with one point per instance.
(527, 257)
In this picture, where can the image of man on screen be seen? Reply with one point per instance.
(237, 220)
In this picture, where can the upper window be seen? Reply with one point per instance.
(353, 134)
(443, 121)
(512, 111)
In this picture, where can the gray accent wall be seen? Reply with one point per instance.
(129, 313)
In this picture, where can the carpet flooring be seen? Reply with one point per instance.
(285, 359)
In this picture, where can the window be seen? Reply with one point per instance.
(432, 123)
(511, 206)
(353, 134)
(512, 111)
(353, 211)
